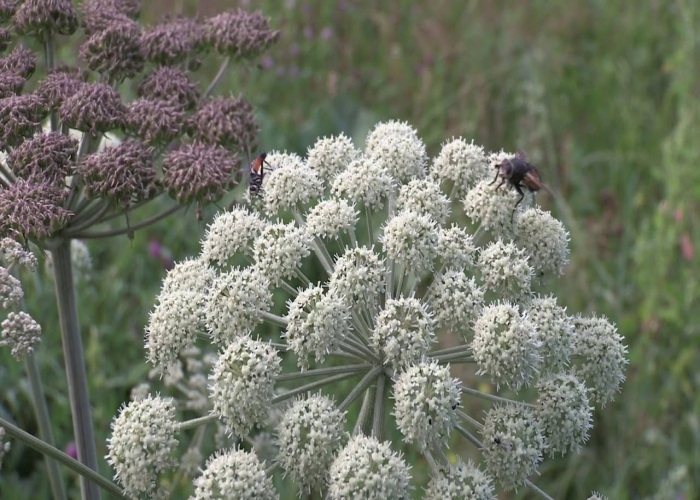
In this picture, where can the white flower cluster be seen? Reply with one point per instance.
(357, 268)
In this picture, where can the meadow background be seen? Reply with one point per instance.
(605, 98)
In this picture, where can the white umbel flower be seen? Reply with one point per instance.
(505, 268)
(309, 436)
(555, 331)
(512, 444)
(20, 332)
(411, 240)
(331, 155)
(331, 217)
(358, 277)
(425, 197)
(364, 181)
(461, 163)
(235, 474)
(290, 185)
(243, 383)
(396, 147)
(505, 346)
(230, 233)
(460, 482)
(492, 209)
(317, 323)
(11, 292)
(545, 240)
(403, 332)
(279, 251)
(367, 469)
(455, 300)
(143, 444)
(426, 397)
(456, 247)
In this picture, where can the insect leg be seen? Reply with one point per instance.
(522, 195)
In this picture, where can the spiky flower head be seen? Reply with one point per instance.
(234, 473)
(115, 51)
(32, 209)
(491, 208)
(426, 397)
(367, 469)
(94, 108)
(455, 300)
(38, 17)
(239, 34)
(602, 357)
(462, 164)
(563, 412)
(279, 251)
(424, 196)
(456, 247)
(396, 147)
(410, 239)
(21, 61)
(20, 118)
(170, 85)
(197, 172)
(513, 444)
(227, 122)
(403, 332)
(505, 268)
(231, 233)
(555, 332)
(505, 346)
(20, 332)
(317, 323)
(171, 42)
(331, 155)
(330, 218)
(10, 84)
(309, 435)
(364, 181)
(358, 276)
(123, 174)
(143, 443)
(460, 481)
(290, 185)
(545, 240)
(235, 304)
(157, 123)
(49, 157)
(242, 384)
(60, 84)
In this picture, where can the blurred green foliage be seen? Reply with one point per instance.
(603, 95)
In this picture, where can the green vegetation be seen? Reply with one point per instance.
(605, 98)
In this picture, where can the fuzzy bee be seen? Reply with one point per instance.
(519, 173)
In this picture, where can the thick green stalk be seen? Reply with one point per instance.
(41, 410)
(75, 366)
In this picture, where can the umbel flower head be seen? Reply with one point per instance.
(99, 156)
(384, 292)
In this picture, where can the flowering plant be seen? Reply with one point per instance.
(391, 289)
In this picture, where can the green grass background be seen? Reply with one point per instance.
(603, 95)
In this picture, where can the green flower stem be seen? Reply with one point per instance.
(389, 289)
(195, 423)
(352, 345)
(363, 416)
(310, 387)
(289, 289)
(431, 461)
(491, 397)
(75, 365)
(368, 220)
(302, 277)
(316, 244)
(353, 237)
(58, 488)
(275, 320)
(87, 220)
(537, 491)
(85, 473)
(470, 419)
(459, 349)
(271, 469)
(455, 358)
(126, 230)
(379, 408)
(470, 437)
(195, 443)
(346, 355)
(360, 387)
(360, 325)
(216, 80)
(333, 370)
